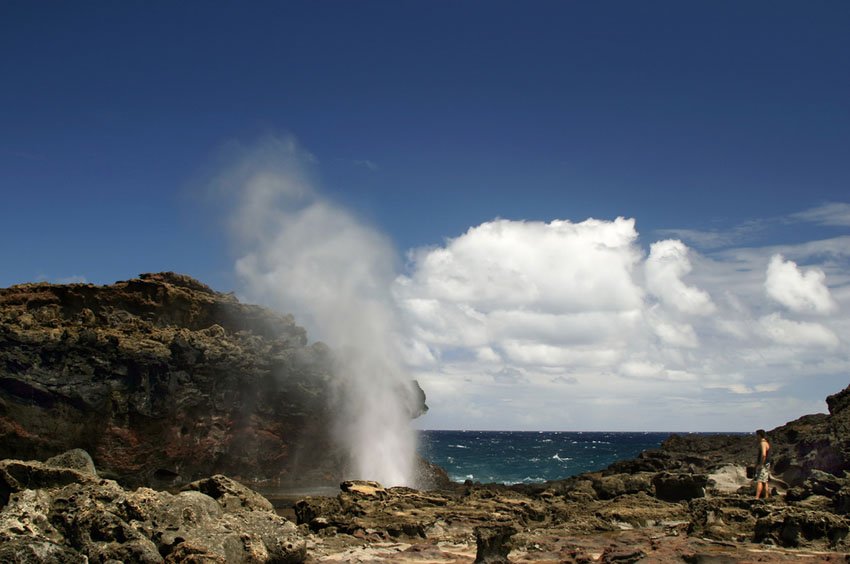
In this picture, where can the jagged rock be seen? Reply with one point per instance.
(609, 487)
(493, 544)
(76, 459)
(812, 442)
(622, 555)
(364, 488)
(579, 490)
(25, 551)
(841, 500)
(165, 381)
(839, 402)
(794, 527)
(834, 491)
(19, 475)
(726, 517)
(65, 515)
(230, 495)
(679, 487)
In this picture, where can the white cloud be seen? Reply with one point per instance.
(836, 214)
(717, 238)
(667, 264)
(797, 333)
(539, 354)
(641, 369)
(796, 290)
(513, 311)
(674, 334)
(555, 267)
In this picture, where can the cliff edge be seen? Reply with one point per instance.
(164, 381)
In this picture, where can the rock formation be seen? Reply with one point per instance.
(818, 442)
(689, 501)
(61, 511)
(165, 381)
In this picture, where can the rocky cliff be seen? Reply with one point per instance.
(164, 381)
(813, 443)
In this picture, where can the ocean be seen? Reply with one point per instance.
(517, 457)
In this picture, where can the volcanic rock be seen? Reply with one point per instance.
(165, 381)
(65, 515)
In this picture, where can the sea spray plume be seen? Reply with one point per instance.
(305, 255)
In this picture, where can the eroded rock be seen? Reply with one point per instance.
(65, 515)
(165, 381)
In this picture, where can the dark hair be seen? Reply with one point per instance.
(760, 433)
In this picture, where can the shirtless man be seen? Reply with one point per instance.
(762, 465)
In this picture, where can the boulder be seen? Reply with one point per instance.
(679, 487)
(232, 496)
(65, 515)
(493, 544)
(796, 527)
(609, 487)
(19, 475)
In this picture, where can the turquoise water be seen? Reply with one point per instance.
(515, 457)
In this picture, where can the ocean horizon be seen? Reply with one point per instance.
(529, 457)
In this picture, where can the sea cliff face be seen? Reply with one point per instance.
(164, 381)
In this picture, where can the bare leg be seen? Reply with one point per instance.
(766, 490)
(759, 487)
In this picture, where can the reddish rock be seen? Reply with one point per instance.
(164, 381)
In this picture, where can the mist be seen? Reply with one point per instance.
(303, 254)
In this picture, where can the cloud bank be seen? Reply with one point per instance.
(561, 325)
(556, 325)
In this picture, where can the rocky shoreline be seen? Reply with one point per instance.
(139, 420)
(688, 501)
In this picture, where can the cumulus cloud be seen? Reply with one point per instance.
(671, 333)
(797, 333)
(667, 264)
(664, 339)
(551, 325)
(555, 267)
(798, 291)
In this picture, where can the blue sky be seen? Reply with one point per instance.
(722, 125)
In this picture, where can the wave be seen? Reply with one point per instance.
(526, 480)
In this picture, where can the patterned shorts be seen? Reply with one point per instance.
(763, 473)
